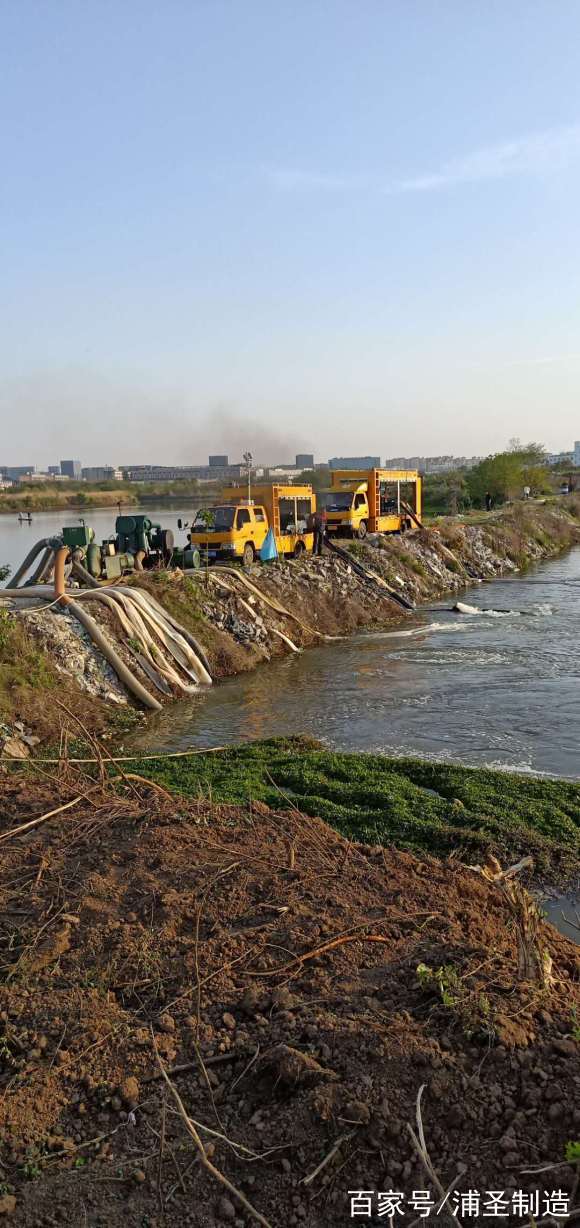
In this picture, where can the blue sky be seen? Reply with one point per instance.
(340, 226)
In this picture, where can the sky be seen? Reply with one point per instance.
(311, 225)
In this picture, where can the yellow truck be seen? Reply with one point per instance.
(237, 527)
(372, 501)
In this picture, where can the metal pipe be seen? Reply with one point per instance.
(60, 559)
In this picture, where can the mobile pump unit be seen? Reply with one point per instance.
(372, 501)
(137, 545)
(237, 527)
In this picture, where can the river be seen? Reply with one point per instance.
(496, 688)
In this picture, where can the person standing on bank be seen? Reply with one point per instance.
(317, 525)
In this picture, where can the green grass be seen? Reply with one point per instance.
(415, 804)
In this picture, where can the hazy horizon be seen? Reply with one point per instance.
(312, 227)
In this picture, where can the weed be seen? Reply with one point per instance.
(30, 1170)
(575, 1026)
(380, 800)
(473, 1010)
(573, 1152)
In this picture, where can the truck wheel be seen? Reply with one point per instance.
(248, 555)
(362, 530)
(299, 549)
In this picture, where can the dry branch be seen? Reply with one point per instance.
(207, 1164)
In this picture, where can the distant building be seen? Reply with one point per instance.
(432, 464)
(16, 472)
(71, 469)
(304, 460)
(101, 473)
(577, 452)
(54, 471)
(355, 462)
(563, 458)
(184, 473)
(218, 462)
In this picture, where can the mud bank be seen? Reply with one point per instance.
(293, 604)
(300, 989)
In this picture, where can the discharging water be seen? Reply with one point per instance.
(496, 688)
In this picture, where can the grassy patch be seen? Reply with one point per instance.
(24, 666)
(415, 804)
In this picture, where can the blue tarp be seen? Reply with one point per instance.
(269, 549)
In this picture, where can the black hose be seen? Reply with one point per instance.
(367, 576)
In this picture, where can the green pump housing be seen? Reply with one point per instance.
(136, 533)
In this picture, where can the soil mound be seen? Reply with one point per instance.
(299, 988)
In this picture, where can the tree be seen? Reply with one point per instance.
(505, 474)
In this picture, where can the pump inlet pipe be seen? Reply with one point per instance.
(141, 618)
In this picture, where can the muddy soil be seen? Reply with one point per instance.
(274, 965)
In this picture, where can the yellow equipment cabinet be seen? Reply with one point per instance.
(372, 501)
(238, 527)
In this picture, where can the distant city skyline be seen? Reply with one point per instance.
(220, 466)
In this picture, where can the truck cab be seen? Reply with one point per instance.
(230, 530)
(347, 510)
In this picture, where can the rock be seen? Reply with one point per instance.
(568, 1048)
(226, 1208)
(7, 1204)
(555, 1111)
(167, 1023)
(14, 748)
(291, 1067)
(229, 1021)
(282, 999)
(139, 1176)
(357, 1111)
(129, 1091)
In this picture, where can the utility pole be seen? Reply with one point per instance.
(247, 457)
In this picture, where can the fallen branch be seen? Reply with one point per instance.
(42, 818)
(343, 1138)
(207, 1164)
(326, 946)
(420, 1146)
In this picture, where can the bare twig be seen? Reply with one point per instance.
(42, 818)
(343, 1138)
(161, 1148)
(246, 1069)
(296, 963)
(420, 1146)
(206, 1162)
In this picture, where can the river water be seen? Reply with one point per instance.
(500, 687)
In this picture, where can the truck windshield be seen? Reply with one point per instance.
(336, 500)
(214, 520)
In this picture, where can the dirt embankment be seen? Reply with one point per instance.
(297, 603)
(301, 988)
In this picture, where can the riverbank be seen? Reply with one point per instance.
(292, 605)
(414, 804)
(299, 987)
